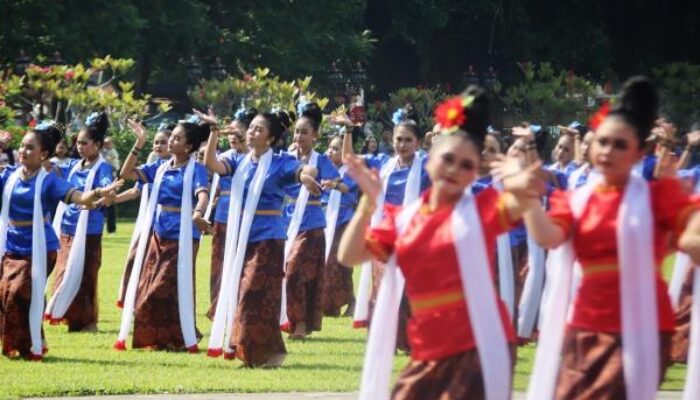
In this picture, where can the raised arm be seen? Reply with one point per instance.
(352, 249)
(212, 163)
(131, 160)
(690, 148)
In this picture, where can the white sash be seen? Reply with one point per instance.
(292, 231)
(681, 266)
(332, 210)
(140, 219)
(532, 290)
(411, 194)
(640, 331)
(506, 273)
(692, 383)
(184, 260)
(237, 232)
(480, 298)
(36, 306)
(210, 205)
(73, 276)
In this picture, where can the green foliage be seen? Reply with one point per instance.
(548, 96)
(679, 87)
(262, 90)
(422, 100)
(49, 92)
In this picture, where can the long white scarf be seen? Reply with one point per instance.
(411, 194)
(332, 210)
(292, 231)
(640, 331)
(681, 267)
(692, 383)
(480, 298)
(184, 260)
(214, 186)
(506, 274)
(237, 233)
(532, 290)
(36, 306)
(73, 276)
(140, 219)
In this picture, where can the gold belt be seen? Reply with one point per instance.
(170, 209)
(268, 212)
(430, 302)
(225, 193)
(597, 269)
(23, 224)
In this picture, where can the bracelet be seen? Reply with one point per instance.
(97, 192)
(136, 150)
(199, 211)
(531, 146)
(366, 206)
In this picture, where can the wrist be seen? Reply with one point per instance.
(366, 206)
(197, 211)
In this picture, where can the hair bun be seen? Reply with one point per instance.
(639, 102)
(50, 134)
(286, 118)
(245, 116)
(313, 112)
(478, 114)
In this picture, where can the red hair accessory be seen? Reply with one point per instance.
(451, 113)
(599, 116)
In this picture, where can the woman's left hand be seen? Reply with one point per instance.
(209, 118)
(202, 224)
(522, 181)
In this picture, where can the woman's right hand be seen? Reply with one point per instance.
(367, 179)
(139, 132)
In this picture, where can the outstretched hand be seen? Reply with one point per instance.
(525, 133)
(208, 118)
(522, 181)
(138, 130)
(367, 179)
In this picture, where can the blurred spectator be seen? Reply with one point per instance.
(8, 156)
(61, 159)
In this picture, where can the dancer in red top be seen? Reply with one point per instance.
(618, 226)
(443, 328)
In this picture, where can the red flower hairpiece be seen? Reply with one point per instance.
(599, 116)
(451, 113)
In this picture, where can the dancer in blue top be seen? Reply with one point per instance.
(160, 149)
(18, 275)
(235, 132)
(157, 315)
(338, 289)
(255, 336)
(91, 170)
(306, 244)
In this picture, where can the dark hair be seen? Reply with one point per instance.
(277, 123)
(49, 135)
(365, 145)
(409, 121)
(166, 128)
(638, 106)
(96, 126)
(478, 115)
(195, 133)
(246, 117)
(313, 113)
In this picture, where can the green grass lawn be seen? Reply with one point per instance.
(85, 364)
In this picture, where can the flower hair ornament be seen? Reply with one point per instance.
(92, 118)
(48, 124)
(301, 105)
(240, 113)
(600, 115)
(452, 113)
(399, 116)
(192, 119)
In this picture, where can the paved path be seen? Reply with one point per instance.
(273, 396)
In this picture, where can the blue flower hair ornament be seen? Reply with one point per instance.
(399, 116)
(240, 113)
(163, 126)
(192, 119)
(301, 105)
(92, 118)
